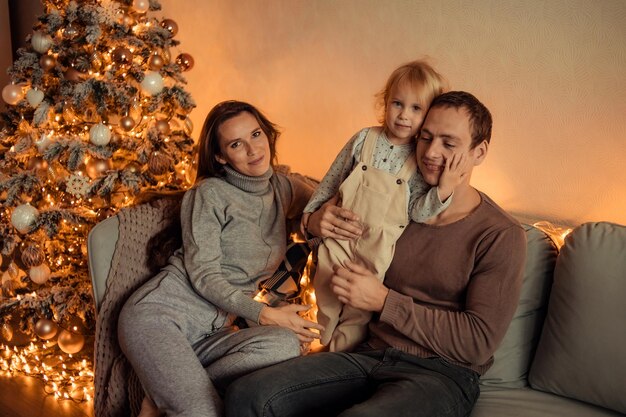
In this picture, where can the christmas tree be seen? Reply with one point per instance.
(97, 114)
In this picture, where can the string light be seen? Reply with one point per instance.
(63, 376)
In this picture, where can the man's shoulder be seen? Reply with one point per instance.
(497, 214)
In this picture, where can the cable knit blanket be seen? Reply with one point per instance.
(118, 392)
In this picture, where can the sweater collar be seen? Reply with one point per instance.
(247, 183)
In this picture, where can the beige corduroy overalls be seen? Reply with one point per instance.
(381, 201)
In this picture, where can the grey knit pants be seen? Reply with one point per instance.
(185, 351)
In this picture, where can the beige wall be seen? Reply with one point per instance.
(552, 72)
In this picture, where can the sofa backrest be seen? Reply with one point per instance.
(512, 359)
(581, 353)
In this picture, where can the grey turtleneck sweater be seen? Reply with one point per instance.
(234, 236)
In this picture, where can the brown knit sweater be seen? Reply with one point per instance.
(454, 288)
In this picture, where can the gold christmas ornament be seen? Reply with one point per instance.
(128, 20)
(163, 126)
(70, 31)
(170, 25)
(32, 255)
(34, 97)
(96, 167)
(159, 163)
(70, 342)
(23, 217)
(96, 61)
(47, 62)
(167, 55)
(122, 55)
(155, 62)
(127, 123)
(133, 167)
(39, 274)
(188, 126)
(99, 135)
(185, 61)
(46, 329)
(71, 74)
(40, 42)
(12, 94)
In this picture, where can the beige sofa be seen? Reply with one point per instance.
(564, 353)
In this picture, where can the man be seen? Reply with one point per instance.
(439, 315)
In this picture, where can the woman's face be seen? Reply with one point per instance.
(244, 146)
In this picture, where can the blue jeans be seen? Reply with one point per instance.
(370, 383)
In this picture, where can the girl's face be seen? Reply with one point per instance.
(404, 114)
(244, 146)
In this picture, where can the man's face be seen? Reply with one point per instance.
(445, 132)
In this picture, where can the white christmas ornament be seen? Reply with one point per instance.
(141, 6)
(23, 217)
(99, 135)
(34, 97)
(39, 274)
(41, 43)
(152, 83)
(12, 94)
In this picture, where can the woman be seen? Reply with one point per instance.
(177, 330)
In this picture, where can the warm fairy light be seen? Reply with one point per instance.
(74, 382)
(556, 233)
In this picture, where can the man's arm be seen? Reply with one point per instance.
(472, 334)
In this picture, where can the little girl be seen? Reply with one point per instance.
(177, 330)
(375, 176)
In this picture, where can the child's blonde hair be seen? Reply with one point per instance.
(421, 76)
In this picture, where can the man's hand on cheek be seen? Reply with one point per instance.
(358, 287)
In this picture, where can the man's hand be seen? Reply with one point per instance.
(358, 287)
(330, 220)
(287, 316)
(454, 172)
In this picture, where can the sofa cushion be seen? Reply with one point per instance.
(512, 359)
(526, 402)
(581, 352)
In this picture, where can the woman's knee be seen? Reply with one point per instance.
(283, 343)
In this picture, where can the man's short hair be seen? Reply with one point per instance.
(479, 115)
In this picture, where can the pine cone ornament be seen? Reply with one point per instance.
(32, 255)
(159, 163)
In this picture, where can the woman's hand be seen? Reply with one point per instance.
(330, 220)
(358, 287)
(287, 316)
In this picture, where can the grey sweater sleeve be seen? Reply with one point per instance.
(339, 170)
(203, 255)
(424, 201)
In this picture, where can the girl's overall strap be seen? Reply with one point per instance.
(369, 144)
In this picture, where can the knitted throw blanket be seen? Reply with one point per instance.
(118, 392)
